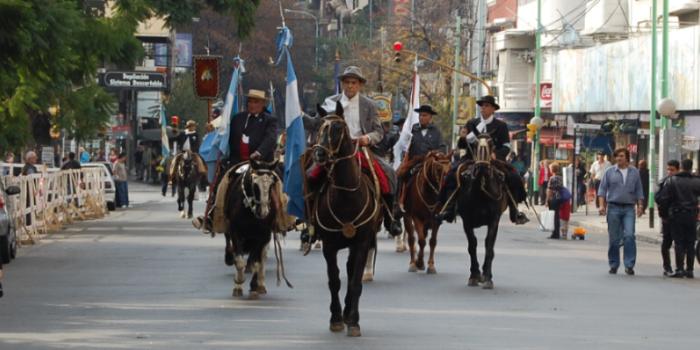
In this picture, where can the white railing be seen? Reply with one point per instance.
(48, 200)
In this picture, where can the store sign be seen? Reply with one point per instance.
(546, 95)
(134, 80)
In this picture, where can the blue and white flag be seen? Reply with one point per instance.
(231, 108)
(296, 139)
(165, 147)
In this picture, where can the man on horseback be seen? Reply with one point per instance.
(188, 140)
(360, 113)
(252, 136)
(498, 131)
(425, 137)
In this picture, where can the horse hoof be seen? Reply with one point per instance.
(487, 285)
(253, 295)
(473, 282)
(189, 216)
(337, 327)
(318, 245)
(237, 293)
(412, 268)
(228, 259)
(420, 266)
(431, 270)
(182, 214)
(261, 290)
(367, 277)
(354, 331)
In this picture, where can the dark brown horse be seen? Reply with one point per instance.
(421, 204)
(186, 177)
(345, 211)
(482, 198)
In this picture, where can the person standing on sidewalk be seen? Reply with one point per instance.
(543, 181)
(680, 196)
(672, 168)
(598, 169)
(620, 189)
(120, 182)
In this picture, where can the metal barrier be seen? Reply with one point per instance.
(48, 200)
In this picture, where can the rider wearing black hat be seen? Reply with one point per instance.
(498, 131)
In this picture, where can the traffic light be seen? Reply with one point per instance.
(398, 46)
(531, 131)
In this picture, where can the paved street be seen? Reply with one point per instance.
(142, 278)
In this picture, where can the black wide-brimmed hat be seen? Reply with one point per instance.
(490, 100)
(426, 109)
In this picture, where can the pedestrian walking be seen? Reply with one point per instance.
(580, 169)
(598, 169)
(644, 176)
(679, 196)
(543, 181)
(620, 189)
(559, 200)
(672, 168)
(121, 196)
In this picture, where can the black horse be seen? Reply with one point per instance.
(345, 211)
(481, 200)
(251, 208)
(187, 177)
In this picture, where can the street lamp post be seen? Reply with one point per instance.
(315, 33)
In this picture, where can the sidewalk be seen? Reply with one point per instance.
(593, 222)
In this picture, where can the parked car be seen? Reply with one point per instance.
(8, 234)
(110, 189)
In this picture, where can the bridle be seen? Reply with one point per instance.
(250, 201)
(425, 176)
(332, 152)
(333, 158)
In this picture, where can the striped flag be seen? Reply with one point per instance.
(230, 108)
(296, 139)
(412, 118)
(165, 143)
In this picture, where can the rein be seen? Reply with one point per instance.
(422, 179)
(347, 228)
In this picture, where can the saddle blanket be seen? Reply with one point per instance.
(385, 187)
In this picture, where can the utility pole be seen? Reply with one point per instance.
(538, 111)
(664, 61)
(455, 88)
(480, 41)
(652, 119)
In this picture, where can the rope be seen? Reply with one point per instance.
(280, 262)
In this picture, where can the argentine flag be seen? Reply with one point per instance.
(230, 108)
(296, 139)
(165, 147)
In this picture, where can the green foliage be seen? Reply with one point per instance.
(51, 50)
(183, 102)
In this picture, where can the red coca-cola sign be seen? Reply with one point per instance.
(546, 95)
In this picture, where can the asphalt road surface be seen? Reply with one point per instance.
(143, 278)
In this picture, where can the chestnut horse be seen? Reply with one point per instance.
(421, 204)
(345, 210)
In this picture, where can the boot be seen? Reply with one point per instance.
(392, 223)
(680, 273)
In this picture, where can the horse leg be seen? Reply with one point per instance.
(257, 262)
(420, 230)
(228, 252)
(368, 275)
(240, 275)
(330, 254)
(488, 258)
(190, 199)
(400, 240)
(475, 275)
(181, 200)
(261, 271)
(351, 314)
(408, 223)
(433, 242)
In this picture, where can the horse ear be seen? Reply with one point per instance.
(321, 112)
(339, 109)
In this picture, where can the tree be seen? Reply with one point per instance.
(51, 51)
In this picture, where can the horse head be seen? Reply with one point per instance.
(258, 187)
(186, 165)
(333, 139)
(437, 164)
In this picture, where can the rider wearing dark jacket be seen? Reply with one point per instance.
(498, 131)
(678, 198)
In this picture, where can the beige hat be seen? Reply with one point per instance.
(190, 123)
(353, 72)
(258, 94)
